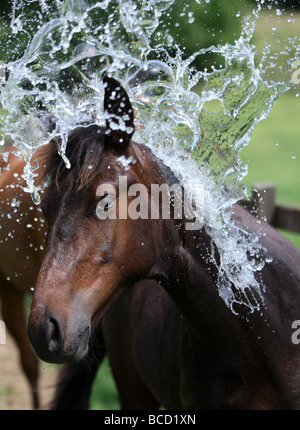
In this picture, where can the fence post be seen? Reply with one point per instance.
(287, 218)
(264, 200)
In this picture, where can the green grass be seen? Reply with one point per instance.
(267, 29)
(270, 154)
(273, 154)
(275, 141)
(104, 393)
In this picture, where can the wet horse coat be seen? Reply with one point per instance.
(22, 237)
(186, 347)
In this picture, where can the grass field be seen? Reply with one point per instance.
(104, 394)
(273, 154)
(274, 151)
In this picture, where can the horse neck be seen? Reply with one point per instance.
(183, 265)
(191, 281)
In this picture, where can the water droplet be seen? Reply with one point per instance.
(191, 17)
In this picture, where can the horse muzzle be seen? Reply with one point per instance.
(57, 342)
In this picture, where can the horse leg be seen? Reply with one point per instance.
(75, 381)
(13, 314)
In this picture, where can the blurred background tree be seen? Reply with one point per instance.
(13, 44)
(193, 25)
(211, 22)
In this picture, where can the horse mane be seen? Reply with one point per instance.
(84, 151)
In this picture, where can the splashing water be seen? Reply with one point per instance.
(57, 83)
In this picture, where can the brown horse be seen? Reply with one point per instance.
(174, 344)
(22, 239)
(22, 242)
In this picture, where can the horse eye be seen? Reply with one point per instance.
(106, 202)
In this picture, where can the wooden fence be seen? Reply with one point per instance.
(263, 204)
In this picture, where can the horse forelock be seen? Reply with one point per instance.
(84, 151)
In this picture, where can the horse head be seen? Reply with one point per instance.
(94, 249)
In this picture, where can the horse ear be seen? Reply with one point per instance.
(117, 106)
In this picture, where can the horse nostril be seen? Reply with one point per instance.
(55, 338)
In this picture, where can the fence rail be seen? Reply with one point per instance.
(264, 206)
